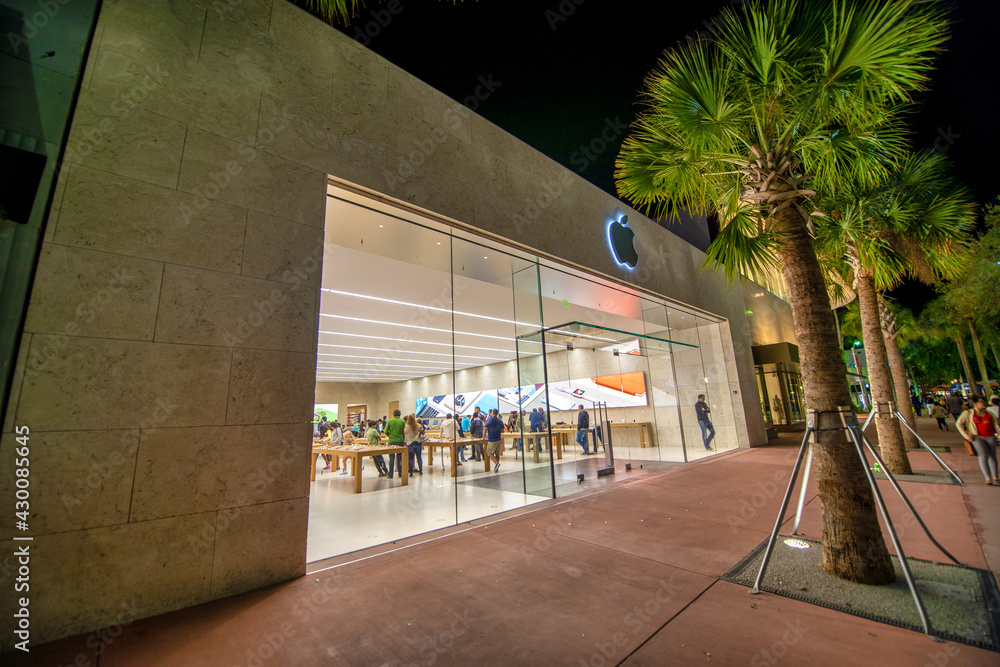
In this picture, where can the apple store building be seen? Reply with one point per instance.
(240, 268)
(440, 320)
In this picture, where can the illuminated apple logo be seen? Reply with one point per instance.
(622, 240)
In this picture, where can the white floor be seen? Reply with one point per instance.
(341, 521)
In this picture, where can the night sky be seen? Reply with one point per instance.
(567, 73)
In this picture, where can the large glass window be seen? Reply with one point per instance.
(449, 326)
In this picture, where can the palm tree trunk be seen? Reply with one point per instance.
(964, 356)
(890, 439)
(979, 356)
(898, 369)
(853, 547)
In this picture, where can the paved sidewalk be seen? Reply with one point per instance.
(628, 576)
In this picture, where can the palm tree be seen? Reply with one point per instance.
(915, 223)
(898, 326)
(940, 321)
(973, 294)
(786, 99)
(333, 11)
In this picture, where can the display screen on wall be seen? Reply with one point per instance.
(328, 410)
(429, 407)
(624, 390)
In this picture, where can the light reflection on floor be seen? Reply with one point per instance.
(341, 521)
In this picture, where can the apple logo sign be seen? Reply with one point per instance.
(622, 241)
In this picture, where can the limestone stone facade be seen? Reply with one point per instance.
(167, 365)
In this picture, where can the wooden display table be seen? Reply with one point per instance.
(642, 426)
(452, 446)
(559, 439)
(356, 455)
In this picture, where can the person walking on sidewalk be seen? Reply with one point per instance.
(981, 428)
(954, 404)
(939, 413)
(702, 410)
(582, 428)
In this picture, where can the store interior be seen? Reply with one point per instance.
(418, 314)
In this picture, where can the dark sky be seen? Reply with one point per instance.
(567, 71)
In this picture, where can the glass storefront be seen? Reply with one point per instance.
(442, 322)
(780, 390)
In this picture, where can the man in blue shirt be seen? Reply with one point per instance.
(536, 421)
(582, 427)
(494, 441)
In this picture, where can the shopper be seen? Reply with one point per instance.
(514, 426)
(373, 441)
(954, 404)
(702, 410)
(536, 421)
(980, 428)
(466, 423)
(476, 431)
(929, 403)
(394, 434)
(915, 402)
(582, 428)
(413, 433)
(323, 428)
(938, 412)
(451, 431)
(494, 439)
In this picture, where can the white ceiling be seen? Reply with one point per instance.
(388, 292)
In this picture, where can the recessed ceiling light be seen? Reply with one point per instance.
(439, 309)
(414, 326)
(420, 342)
(381, 226)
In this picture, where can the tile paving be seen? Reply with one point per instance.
(625, 576)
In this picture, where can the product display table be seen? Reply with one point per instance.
(452, 446)
(643, 428)
(356, 453)
(559, 438)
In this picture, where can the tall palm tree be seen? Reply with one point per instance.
(973, 294)
(940, 321)
(898, 326)
(787, 98)
(915, 223)
(897, 323)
